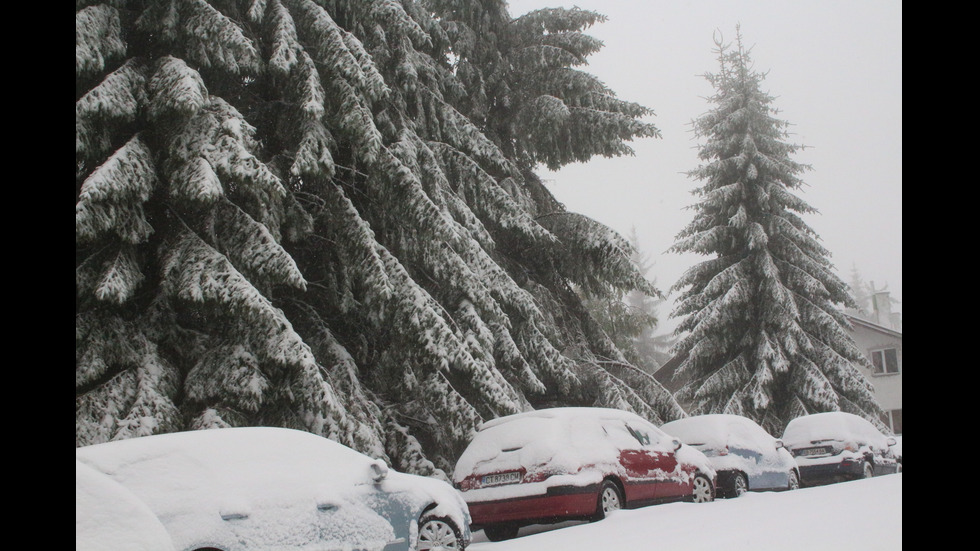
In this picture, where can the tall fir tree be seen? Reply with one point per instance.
(322, 214)
(765, 333)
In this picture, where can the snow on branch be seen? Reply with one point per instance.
(211, 39)
(98, 39)
(253, 249)
(112, 196)
(176, 90)
(194, 272)
(111, 104)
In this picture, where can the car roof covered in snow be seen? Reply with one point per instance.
(565, 413)
(831, 425)
(718, 430)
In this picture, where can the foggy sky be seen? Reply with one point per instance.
(835, 67)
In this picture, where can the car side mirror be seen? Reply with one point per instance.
(379, 470)
(677, 444)
(891, 441)
(779, 443)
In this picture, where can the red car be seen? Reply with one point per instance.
(559, 464)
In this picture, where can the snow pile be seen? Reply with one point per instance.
(109, 518)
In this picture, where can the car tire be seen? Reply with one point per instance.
(868, 472)
(794, 481)
(500, 532)
(610, 499)
(701, 491)
(740, 485)
(439, 534)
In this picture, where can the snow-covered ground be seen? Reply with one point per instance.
(863, 515)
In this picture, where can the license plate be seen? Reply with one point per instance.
(502, 478)
(813, 451)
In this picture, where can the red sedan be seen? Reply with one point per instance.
(560, 464)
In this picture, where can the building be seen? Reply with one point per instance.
(880, 337)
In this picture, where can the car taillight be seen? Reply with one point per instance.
(542, 472)
(468, 483)
(724, 451)
(851, 446)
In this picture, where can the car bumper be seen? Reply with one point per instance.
(558, 504)
(827, 473)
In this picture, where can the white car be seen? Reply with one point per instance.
(837, 446)
(240, 489)
(746, 457)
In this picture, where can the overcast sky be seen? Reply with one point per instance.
(835, 68)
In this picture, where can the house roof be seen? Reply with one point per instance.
(665, 375)
(873, 326)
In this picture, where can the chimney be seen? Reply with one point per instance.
(882, 308)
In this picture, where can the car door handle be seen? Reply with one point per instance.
(326, 507)
(233, 516)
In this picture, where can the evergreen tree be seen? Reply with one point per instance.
(322, 214)
(631, 320)
(862, 292)
(766, 338)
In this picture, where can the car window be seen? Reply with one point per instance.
(622, 436)
(642, 436)
(647, 435)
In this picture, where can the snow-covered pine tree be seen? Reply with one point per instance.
(766, 336)
(322, 214)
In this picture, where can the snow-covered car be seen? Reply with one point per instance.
(837, 446)
(551, 465)
(108, 517)
(746, 457)
(238, 489)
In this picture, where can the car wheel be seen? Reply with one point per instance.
(701, 491)
(439, 534)
(610, 499)
(869, 471)
(500, 532)
(794, 481)
(740, 485)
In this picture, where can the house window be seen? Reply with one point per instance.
(893, 418)
(885, 361)
(897, 421)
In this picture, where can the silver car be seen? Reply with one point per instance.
(238, 489)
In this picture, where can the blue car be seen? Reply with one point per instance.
(746, 457)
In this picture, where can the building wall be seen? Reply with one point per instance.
(888, 387)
